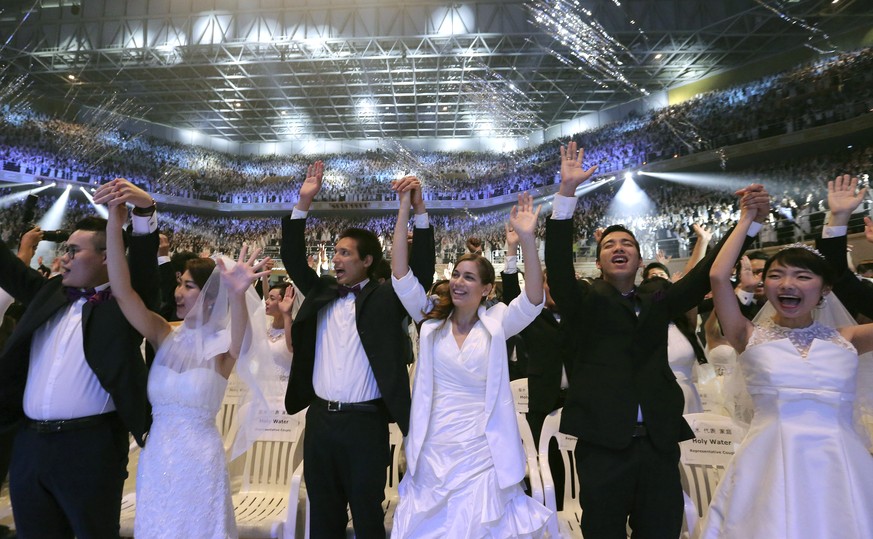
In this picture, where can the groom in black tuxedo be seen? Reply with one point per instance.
(73, 380)
(349, 367)
(623, 403)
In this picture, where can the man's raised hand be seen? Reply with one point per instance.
(572, 173)
(311, 185)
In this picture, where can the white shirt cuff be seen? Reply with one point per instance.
(421, 220)
(298, 214)
(163, 260)
(563, 207)
(511, 265)
(754, 228)
(834, 231)
(405, 284)
(745, 297)
(143, 225)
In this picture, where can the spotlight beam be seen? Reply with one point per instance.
(722, 182)
(101, 209)
(54, 217)
(12, 198)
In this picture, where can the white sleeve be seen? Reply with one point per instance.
(563, 207)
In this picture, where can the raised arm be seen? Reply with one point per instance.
(511, 289)
(293, 247)
(523, 219)
(559, 230)
(399, 247)
(238, 279)
(735, 327)
(27, 246)
(149, 324)
(842, 201)
(411, 289)
(286, 307)
(704, 236)
(572, 173)
(144, 241)
(694, 285)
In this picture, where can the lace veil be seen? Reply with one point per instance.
(833, 314)
(204, 335)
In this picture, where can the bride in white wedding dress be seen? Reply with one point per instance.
(803, 471)
(182, 480)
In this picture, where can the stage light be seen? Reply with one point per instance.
(630, 201)
(101, 210)
(629, 175)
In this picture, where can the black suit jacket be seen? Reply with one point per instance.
(545, 349)
(379, 316)
(167, 277)
(854, 294)
(620, 358)
(112, 346)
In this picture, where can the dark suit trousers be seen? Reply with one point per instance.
(346, 456)
(68, 483)
(639, 481)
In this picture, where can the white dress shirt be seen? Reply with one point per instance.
(60, 383)
(342, 370)
(564, 207)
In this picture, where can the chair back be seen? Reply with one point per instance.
(271, 460)
(520, 395)
(567, 446)
(704, 458)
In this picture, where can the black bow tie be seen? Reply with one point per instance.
(343, 291)
(90, 294)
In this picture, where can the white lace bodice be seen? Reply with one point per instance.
(801, 338)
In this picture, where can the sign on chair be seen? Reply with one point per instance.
(715, 441)
(520, 395)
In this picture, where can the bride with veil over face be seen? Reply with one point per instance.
(803, 471)
(182, 480)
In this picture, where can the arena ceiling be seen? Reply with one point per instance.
(272, 70)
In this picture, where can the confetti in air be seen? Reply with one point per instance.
(586, 45)
(499, 108)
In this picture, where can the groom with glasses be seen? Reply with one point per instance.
(73, 380)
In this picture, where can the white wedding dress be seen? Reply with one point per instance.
(182, 487)
(681, 357)
(455, 492)
(803, 471)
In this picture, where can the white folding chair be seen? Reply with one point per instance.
(266, 499)
(565, 523)
(533, 474)
(703, 462)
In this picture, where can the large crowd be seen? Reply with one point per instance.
(798, 189)
(827, 90)
(618, 337)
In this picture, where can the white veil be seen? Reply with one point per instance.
(833, 314)
(205, 334)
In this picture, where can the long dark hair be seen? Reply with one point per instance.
(443, 306)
